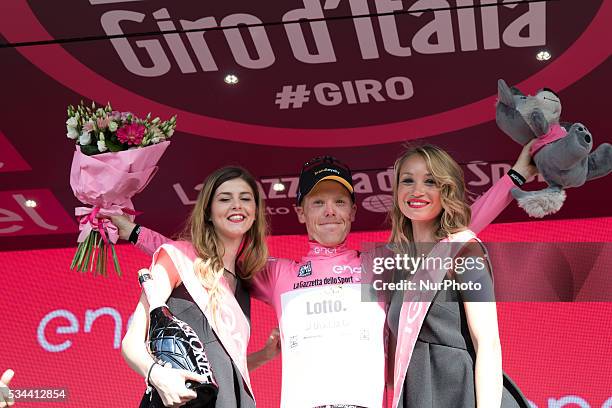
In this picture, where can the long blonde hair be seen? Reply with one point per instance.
(200, 231)
(455, 215)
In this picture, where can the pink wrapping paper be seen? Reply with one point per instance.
(107, 182)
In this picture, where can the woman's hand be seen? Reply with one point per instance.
(524, 164)
(170, 384)
(124, 225)
(5, 399)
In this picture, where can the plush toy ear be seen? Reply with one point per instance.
(539, 122)
(516, 91)
(504, 94)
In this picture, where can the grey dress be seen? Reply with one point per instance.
(441, 370)
(233, 391)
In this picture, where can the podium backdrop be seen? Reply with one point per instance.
(343, 78)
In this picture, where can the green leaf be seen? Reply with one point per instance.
(77, 255)
(82, 252)
(90, 150)
(88, 254)
(103, 256)
(114, 145)
(100, 258)
(115, 260)
(94, 252)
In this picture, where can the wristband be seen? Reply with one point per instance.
(148, 380)
(516, 178)
(143, 278)
(134, 235)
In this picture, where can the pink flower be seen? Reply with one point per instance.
(89, 126)
(131, 134)
(103, 122)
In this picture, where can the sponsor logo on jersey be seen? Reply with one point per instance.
(305, 270)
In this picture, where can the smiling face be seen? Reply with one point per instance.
(328, 212)
(233, 209)
(418, 195)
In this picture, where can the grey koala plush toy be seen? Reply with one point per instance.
(562, 151)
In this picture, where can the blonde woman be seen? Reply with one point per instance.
(203, 278)
(453, 358)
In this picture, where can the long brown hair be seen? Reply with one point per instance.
(200, 231)
(455, 215)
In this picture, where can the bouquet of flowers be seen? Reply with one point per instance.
(115, 158)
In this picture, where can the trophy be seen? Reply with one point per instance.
(173, 343)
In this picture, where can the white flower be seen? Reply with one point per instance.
(170, 132)
(156, 140)
(156, 133)
(112, 126)
(72, 132)
(72, 122)
(101, 136)
(85, 138)
(102, 146)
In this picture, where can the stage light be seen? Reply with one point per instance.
(30, 203)
(231, 79)
(543, 55)
(278, 187)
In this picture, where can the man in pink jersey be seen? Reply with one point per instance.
(332, 342)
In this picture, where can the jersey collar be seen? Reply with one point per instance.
(316, 250)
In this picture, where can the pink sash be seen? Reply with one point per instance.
(231, 326)
(555, 133)
(415, 307)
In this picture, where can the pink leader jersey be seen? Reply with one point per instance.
(333, 343)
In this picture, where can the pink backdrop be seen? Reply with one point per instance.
(559, 353)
